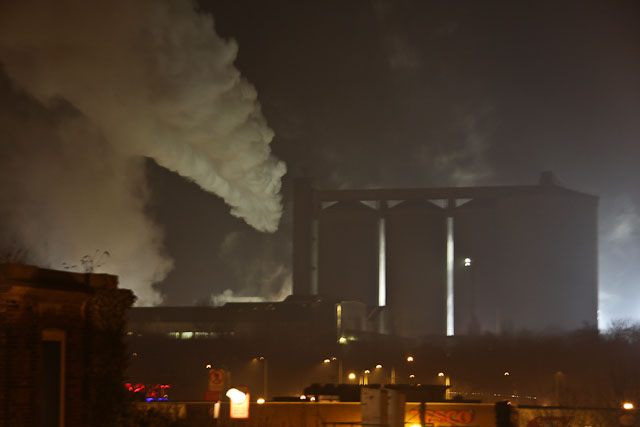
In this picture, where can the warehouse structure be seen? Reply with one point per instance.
(436, 261)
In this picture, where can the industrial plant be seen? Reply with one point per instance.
(378, 273)
(451, 261)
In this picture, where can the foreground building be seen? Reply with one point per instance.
(61, 353)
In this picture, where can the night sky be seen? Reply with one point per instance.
(370, 94)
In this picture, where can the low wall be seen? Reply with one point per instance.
(440, 414)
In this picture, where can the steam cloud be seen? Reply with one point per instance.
(119, 81)
(619, 235)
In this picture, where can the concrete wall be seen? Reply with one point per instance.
(435, 414)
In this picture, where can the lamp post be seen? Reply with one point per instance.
(265, 374)
(473, 321)
(333, 359)
(447, 383)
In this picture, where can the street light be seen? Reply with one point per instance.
(409, 359)
(447, 380)
(332, 359)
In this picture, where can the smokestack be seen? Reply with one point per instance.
(303, 223)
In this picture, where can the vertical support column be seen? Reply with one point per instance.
(450, 265)
(382, 257)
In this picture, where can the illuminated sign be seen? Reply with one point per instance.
(239, 407)
(150, 392)
(449, 417)
(216, 379)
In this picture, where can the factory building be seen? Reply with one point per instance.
(445, 261)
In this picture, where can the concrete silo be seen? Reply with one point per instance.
(416, 277)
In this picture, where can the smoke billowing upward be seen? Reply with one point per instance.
(115, 82)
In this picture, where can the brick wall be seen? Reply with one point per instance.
(33, 300)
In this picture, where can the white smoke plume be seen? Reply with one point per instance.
(619, 234)
(259, 266)
(151, 79)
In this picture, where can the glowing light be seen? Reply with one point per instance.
(186, 335)
(236, 396)
(441, 374)
(342, 340)
(261, 358)
(382, 269)
(409, 358)
(312, 398)
(378, 366)
(366, 371)
(412, 376)
(208, 366)
(467, 262)
(506, 373)
(627, 405)
(260, 401)
(352, 376)
(326, 361)
(450, 254)
(303, 397)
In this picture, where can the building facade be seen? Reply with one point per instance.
(61, 353)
